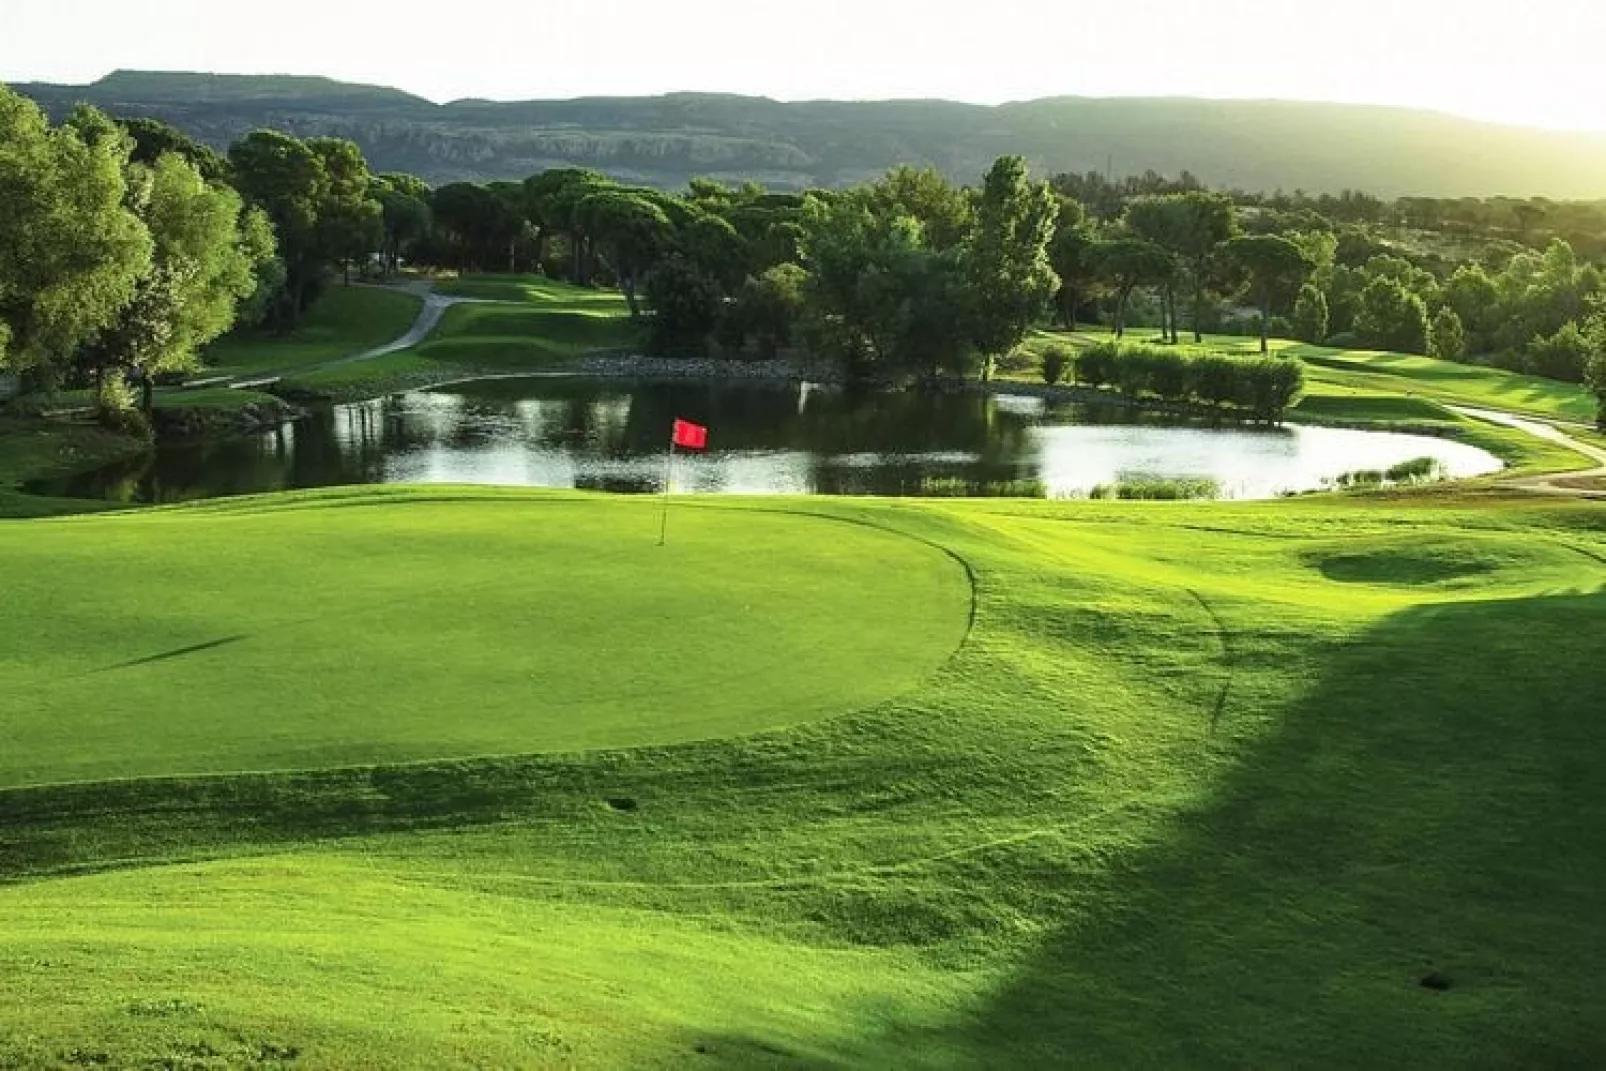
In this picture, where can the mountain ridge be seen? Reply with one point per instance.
(664, 140)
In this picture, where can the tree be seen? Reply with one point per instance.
(1564, 355)
(1390, 317)
(1008, 277)
(877, 297)
(1310, 315)
(154, 139)
(349, 224)
(769, 306)
(476, 223)
(71, 252)
(1192, 227)
(1068, 253)
(633, 232)
(1448, 340)
(1594, 367)
(405, 216)
(1124, 264)
(204, 264)
(685, 307)
(287, 180)
(1273, 266)
(1472, 295)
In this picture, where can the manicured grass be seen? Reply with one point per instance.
(368, 621)
(1209, 785)
(535, 290)
(512, 338)
(344, 321)
(553, 324)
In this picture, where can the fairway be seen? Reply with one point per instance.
(325, 631)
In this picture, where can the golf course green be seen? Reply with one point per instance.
(1206, 784)
(333, 630)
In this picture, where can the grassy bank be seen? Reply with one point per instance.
(1206, 785)
(343, 322)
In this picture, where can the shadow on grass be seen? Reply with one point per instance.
(1434, 804)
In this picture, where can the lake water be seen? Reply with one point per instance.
(764, 438)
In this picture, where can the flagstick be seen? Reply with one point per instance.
(669, 469)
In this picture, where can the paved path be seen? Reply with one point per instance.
(429, 316)
(1554, 483)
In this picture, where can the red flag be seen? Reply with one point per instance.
(690, 436)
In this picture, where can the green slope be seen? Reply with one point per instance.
(1207, 786)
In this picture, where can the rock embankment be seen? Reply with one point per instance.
(188, 423)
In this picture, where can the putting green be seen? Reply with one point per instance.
(331, 630)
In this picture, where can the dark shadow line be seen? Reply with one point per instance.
(179, 653)
(1229, 658)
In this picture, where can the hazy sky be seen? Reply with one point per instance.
(1526, 61)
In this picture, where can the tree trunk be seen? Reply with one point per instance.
(146, 392)
(577, 255)
(513, 256)
(627, 284)
(1265, 324)
(540, 251)
(1198, 302)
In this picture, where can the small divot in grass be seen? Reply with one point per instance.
(625, 804)
(1436, 981)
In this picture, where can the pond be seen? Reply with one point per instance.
(765, 438)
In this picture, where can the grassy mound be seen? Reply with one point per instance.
(1488, 564)
(325, 631)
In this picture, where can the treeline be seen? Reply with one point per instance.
(128, 245)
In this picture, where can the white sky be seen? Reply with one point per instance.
(1535, 62)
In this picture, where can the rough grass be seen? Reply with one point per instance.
(343, 322)
(1209, 785)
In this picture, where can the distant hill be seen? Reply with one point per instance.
(663, 141)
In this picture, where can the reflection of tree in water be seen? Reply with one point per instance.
(833, 441)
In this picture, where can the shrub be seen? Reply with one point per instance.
(1054, 363)
(1561, 356)
(1095, 366)
(1215, 379)
(1310, 315)
(1265, 386)
(1360, 478)
(1449, 341)
(1159, 489)
(1170, 374)
(1416, 470)
(1273, 385)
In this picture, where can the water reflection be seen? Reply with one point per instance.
(769, 439)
